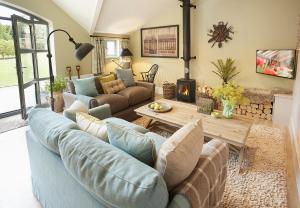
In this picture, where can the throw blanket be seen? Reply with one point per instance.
(204, 188)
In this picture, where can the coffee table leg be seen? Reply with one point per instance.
(148, 124)
(241, 158)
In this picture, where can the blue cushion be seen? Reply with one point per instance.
(113, 177)
(157, 139)
(126, 76)
(86, 87)
(125, 123)
(134, 143)
(49, 126)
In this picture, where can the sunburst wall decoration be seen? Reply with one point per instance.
(220, 34)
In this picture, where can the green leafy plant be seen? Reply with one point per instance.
(226, 71)
(59, 85)
(230, 92)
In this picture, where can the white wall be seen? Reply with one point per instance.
(295, 126)
(257, 24)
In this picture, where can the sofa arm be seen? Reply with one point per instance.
(208, 177)
(101, 112)
(90, 102)
(69, 99)
(148, 85)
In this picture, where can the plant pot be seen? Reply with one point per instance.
(58, 101)
(227, 109)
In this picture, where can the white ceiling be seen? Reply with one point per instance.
(124, 16)
(113, 16)
(86, 14)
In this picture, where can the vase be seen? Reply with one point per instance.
(58, 101)
(227, 109)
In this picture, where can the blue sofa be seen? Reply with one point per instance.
(72, 169)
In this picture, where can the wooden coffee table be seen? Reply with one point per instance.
(234, 131)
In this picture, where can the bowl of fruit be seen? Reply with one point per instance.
(159, 107)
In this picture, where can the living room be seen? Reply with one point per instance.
(158, 83)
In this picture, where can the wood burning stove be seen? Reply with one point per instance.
(186, 87)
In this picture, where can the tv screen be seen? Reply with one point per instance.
(279, 63)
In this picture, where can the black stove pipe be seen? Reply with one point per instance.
(187, 36)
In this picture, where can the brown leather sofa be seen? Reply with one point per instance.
(122, 104)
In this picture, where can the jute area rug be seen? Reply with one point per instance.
(10, 123)
(263, 179)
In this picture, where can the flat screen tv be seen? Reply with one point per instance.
(279, 63)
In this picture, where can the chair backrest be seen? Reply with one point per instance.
(152, 72)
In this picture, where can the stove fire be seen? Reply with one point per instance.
(186, 89)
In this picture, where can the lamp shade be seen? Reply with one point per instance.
(82, 49)
(126, 52)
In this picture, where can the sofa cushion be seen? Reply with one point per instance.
(49, 126)
(92, 125)
(76, 107)
(184, 145)
(113, 177)
(85, 86)
(113, 87)
(126, 76)
(116, 102)
(132, 142)
(157, 139)
(127, 124)
(136, 94)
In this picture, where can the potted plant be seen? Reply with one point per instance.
(58, 86)
(226, 71)
(231, 95)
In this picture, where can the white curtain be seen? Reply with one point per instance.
(98, 55)
(124, 43)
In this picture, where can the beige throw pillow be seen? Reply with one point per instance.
(179, 154)
(78, 106)
(92, 126)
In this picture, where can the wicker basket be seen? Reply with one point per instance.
(169, 90)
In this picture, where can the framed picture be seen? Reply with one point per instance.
(162, 42)
(278, 63)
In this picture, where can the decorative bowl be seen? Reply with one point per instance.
(161, 107)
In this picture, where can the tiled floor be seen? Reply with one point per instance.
(15, 184)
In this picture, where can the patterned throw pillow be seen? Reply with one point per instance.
(92, 126)
(86, 87)
(184, 145)
(126, 76)
(113, 86)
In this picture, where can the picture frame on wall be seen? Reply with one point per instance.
(160, 42)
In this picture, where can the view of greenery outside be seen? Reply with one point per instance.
(8, 74)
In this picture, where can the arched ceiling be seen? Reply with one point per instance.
(113, 16)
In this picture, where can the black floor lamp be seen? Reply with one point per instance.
(81, 50)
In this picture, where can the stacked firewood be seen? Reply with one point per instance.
(253, 110)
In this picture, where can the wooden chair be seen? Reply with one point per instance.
(149, 76)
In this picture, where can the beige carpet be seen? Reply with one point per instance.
(263, 181)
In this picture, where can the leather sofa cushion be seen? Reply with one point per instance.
(113, 87)
(136, 94)
(116, 102)
(112, 176)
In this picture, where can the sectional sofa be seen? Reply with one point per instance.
(73, 169)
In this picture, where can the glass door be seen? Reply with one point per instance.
(30, 49)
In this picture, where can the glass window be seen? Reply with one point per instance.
(112, 49)
(41, 33)
(24, 31)
(43, 65)
(27, 67)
